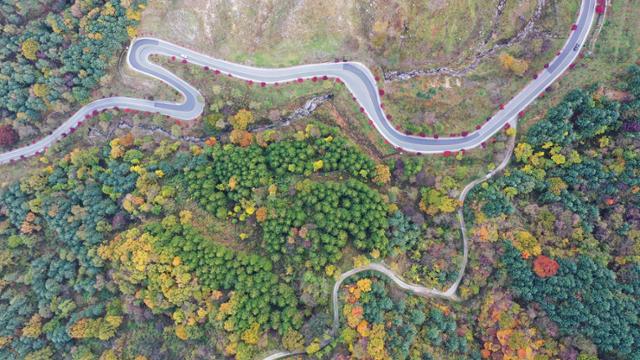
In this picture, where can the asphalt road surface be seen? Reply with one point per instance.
(360, 82)
(357, 77)
(553, 71)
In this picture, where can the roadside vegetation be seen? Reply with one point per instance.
(606, 59)
(119, 234)
(143, 237)
(392, 38)
(239, 237)
(561, 225)
(54, 54)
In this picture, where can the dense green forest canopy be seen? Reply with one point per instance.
(112, 235)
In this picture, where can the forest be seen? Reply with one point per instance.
(575, 186)
(148, 247)
(111, 238)
(53, 54)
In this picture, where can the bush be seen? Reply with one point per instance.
(8, 136)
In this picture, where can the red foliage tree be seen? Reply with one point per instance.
(8, 136)
(544, 266)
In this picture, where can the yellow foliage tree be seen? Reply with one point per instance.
(353, 314)
(523, 151)
(132, 31)
(4, 340)
(108, 355)
(108, 10)
(241, 120)
(117, 150)
(527, 244)
(181, 332)
(517, 66)
(29, 49)
(375, 347)
(330, 270)
(313, 348)
(133, 14)
(317, 165)
(363, 328)
(152, 275)
(252, 334)
(101, 328)
(559, 159)
(33, 328)
(107, 327)
(364, 285)
(383, 174)
(557, 185)
(40, 90)
(434, 201)
(185, 217)
(45, 353)
(293, 341)
(449, 205)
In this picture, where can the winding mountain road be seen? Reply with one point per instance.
(574, 43)
(361, 83)
(356, 76)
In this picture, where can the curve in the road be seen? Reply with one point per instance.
(356, 76)
(360, 82)
(419, 290)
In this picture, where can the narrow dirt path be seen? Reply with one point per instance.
(419, 290)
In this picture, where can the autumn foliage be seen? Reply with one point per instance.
(517, 66)
(545, 267)
(507, 331)
(211, 141)
(8, 136)
(261, 214)
(382, 175)
(241, 137)
(241, 120)
(29, 49)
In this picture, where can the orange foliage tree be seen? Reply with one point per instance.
(241, 137)
(545, 267)
(261, 214)
(507, 332)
